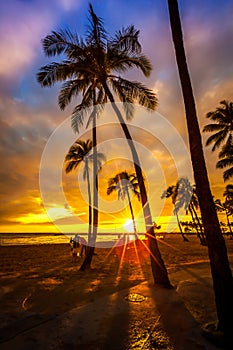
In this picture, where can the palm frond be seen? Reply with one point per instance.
(217, 139)
(55, 72)
(136, 92)
(214, 127)
(78, 152)
(228, 191)
(168, 192)
(84, 108)
(70, 89)
(110, 189)
(228, 174)
(227, 150)
(122, 62)
(99, 105)
(126, 39)
(96, 35)
(223, 163)
(61, 42)
(71, 165)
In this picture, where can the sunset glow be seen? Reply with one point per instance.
(30, 114)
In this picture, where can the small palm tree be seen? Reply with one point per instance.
(220, 207)
(82, 151)
(228, 194)
(123, 183)
(226, 160)
(223, 125)
(171, 192)
(187, 199)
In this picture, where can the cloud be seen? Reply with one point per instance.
(68, 4)
(29, 114)
(21, 28)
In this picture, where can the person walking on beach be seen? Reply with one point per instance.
(74, 242)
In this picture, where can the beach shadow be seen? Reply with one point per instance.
(183, 331)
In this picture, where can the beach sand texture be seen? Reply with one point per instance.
(47, 303)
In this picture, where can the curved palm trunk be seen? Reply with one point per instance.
(91, 242)
(197, 224)
(180, 228)
(89, 204)
(132, 213)
(220, 269)
(194, 223)
(200, 234)
(159, 270)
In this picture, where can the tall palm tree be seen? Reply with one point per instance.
(220, 268)
(82, 151)
(124, 183)
(90, 69)
(171, 192)
(223, 125)
(226, 160)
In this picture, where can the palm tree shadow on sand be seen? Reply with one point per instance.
(159, 320)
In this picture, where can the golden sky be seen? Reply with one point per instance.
(31, 124)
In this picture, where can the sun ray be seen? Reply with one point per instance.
(116, 244)
(138, 259)
(151, 254)
(121, 260)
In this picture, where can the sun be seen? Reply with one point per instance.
(128, 226)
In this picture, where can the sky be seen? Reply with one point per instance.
(32, 124)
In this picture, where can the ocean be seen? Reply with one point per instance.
(7, 239)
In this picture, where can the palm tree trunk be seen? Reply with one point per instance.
(159, 270)
(180, 228)
(194, 223)
(220, 268)
(201, 235)
(131, 212)
(89, 204)
(91, 243)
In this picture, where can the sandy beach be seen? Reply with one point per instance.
(41, 284)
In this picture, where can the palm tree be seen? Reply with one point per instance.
(226, 160)
(187, 198)
(123, 183)
(172, 192)
(220, 268)
(228, 194)
(220, 207)
(90, 69)
(82, 151)
(223, 125)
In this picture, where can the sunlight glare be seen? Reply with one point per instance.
(128, 226)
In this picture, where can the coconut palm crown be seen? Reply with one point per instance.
(223, 125)
(92, 66)
(81, 151)
(226, 160)
(123, 182)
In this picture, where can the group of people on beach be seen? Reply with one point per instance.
(77, 246)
